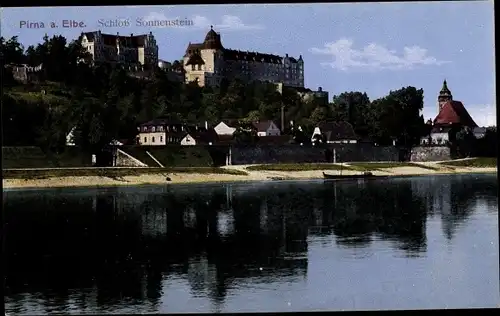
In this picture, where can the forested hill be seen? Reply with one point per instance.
(105, 103)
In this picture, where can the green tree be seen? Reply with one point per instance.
(319, 114)
(245, 133)
(465, 142)
(352, 107)
(11, 51)
(397, 117)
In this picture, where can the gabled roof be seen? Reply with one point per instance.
(162, 121)
(230, 123)
(195, 59)
(262, 126)
(337, 130)
(454, 112)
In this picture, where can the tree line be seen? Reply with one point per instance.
(103, 102)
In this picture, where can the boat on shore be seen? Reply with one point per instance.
(365, 175)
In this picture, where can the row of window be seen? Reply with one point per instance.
(169, 139)
(153, 139)
(160, 128)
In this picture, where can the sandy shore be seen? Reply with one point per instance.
(95, 181)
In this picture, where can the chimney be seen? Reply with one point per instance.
(286, 55)
(131, 34)
(320, 89)
(206, 125)
(117, 33)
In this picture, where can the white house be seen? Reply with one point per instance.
(160, 132)
(266, 128)
(223, 128)
(208, 137)
(70, 138)
(335, 133)
(188, 140)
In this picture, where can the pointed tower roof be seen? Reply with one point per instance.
(444, 90)
(212, 40)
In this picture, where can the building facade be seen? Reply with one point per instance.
(24, 73)
(161, 132)
(452, 116)
(140, 50)
(209, 62)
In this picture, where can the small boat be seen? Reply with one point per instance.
(364, 175)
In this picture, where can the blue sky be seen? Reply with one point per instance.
(369, 47)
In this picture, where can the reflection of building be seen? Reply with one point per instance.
(209, 62)
(134, 49)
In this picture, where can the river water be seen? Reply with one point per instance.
(426, 242)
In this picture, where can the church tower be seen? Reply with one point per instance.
(444, 96)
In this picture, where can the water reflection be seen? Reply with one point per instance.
(112, 249)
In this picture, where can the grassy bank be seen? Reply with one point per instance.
(178, 156)
(298, 167)
(109, 172)
(482, 162)
(34, 157)
(372, 166)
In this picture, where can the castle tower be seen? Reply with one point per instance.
(444, 96)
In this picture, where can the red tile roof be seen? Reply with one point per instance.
(454, 112)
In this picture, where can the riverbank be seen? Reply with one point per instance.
(233, 174)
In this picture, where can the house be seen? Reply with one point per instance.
(25, 73)
(204, 137)
(335, 133)
(160, 132)
(266, 128)
(226, 127)
(452, 114)
(209, 62)
(70, 138)
(124, 49)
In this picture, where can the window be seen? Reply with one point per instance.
(160, 128)
(161, 139)
(145, 139)
(153, 139)
(145, 129)
(153, 129)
